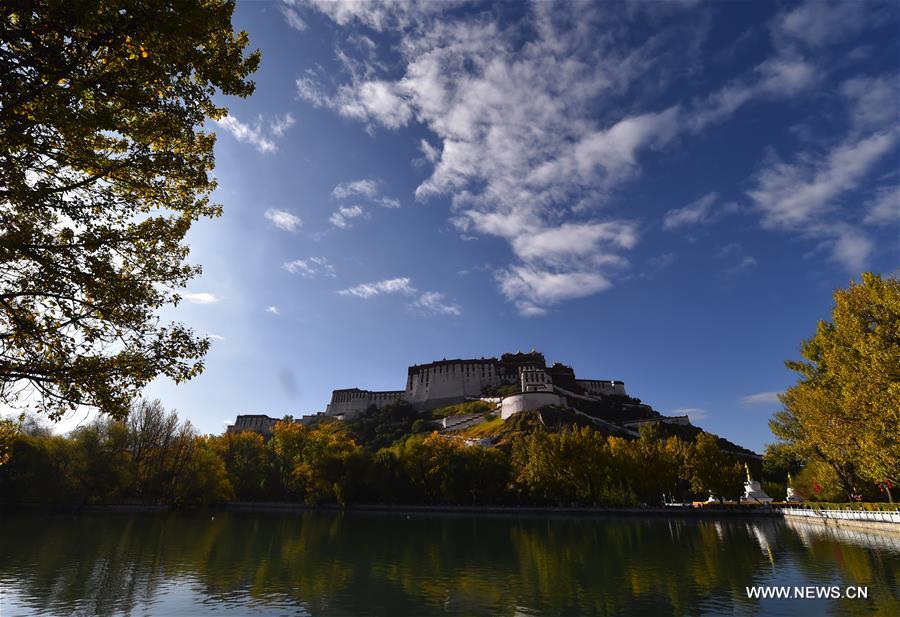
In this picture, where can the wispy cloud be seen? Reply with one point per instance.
(399, 285)
(433, 303)
(803, 195)
(473, 84)
(344, 215)
(700, 212)
(283, 219)
(261, 136)
(310, 268)
(273, 310)
(201, 297)
(693, 413)
(365, 188)
(426, 303)
(748, 262)
(293, 19)
(761, 398)
(216, 337)
(884, 207)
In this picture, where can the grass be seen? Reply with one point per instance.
(462, 409)
(489, 428)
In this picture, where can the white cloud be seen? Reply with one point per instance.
(344, 214)
(365, 187)
(804, 195)
(884, 207)
(273, 310)
(532, 289)
(293, 19)
(761, 398)
(432, 303)
(380, 101)
(283, 219)
(216, 337)
(202, 297)
(278, 126)
(529, 135)
(873, 102)
(310, 268)
(399, 285)
(693, 413)
(748, 262)
(700, 212)
(256, 135)
(308, 89)
(819, 23)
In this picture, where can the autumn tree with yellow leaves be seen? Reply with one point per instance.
(844, 410)
(104, 166)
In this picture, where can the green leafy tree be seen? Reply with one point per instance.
(845, 409)
(104, 166)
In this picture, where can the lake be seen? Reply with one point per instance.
(330, 563)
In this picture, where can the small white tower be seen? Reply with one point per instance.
(753, 492)
(792, 497)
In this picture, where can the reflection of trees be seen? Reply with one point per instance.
(372, 563)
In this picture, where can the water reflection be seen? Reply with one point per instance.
(376, 564)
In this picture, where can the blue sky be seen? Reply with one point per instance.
(664, 193)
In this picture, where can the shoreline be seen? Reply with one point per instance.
(287, 507)
(491, 511)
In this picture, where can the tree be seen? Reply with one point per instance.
(104, 166)
(8, 431)
(709, 470)
(845, 408)
(244, 455)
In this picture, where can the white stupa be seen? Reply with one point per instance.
(753, 492)
(792, 497)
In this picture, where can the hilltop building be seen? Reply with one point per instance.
(511, 384)
(448, 382)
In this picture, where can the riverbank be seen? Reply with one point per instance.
(881, 521)
(857, 519)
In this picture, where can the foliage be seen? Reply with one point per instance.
(469, 407)
(316, 465)
(442, 470)
(8, 430)
(104, 166)
(151, 457)
(710, 471)
(505, 390)
(855, 505)
(845, 408)
(247, 463)
(379, 428)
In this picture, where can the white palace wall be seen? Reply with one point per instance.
(440, 384)
(353, 401)
(527, 400)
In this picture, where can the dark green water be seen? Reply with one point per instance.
(387, 564)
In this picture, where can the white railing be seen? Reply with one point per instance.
(874, 516)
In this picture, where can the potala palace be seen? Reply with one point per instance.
(513, 383)
(448, 382)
